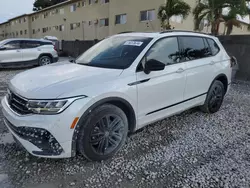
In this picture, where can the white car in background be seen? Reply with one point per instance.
(118, 86)
(26, 52)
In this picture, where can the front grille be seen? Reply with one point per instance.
(18, 104)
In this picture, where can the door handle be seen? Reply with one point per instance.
(18, 51)
(212, 62)
(38, 49)
(180, 70)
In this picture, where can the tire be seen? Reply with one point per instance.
(44, 60)
(214, 98)
(99, 140)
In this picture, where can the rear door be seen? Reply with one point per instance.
(200, 69)
(30, 50)
(11, 52)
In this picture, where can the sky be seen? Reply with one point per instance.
(12, 8)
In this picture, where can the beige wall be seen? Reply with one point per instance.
(19, 27)
(97, 11)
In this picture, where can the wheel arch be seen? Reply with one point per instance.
(123, 104)
(223, 78)
(46, 54)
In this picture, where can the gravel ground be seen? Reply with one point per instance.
(192, 149)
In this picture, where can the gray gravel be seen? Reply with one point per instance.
(192, 149)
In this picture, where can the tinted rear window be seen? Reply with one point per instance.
(193, 48)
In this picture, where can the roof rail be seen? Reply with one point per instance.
(126, 32)
(169, 31)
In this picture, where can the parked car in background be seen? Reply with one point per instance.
(119, 85)
(27, 52)
(54, 40)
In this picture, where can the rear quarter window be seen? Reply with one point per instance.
(213, 46)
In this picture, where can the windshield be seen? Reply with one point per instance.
(117, 52)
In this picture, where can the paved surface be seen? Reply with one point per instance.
(189, 150)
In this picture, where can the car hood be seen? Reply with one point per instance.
(49, 82)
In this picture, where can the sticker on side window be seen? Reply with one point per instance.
(133, 43)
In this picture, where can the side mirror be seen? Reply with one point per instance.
(153, 65)
(2, 48)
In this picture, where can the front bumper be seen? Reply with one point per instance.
(47, 136)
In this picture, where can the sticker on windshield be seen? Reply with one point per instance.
(133, 43)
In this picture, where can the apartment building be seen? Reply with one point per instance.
(96, 19)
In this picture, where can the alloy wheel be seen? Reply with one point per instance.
(216, 98)
(45, 61)
(107, 134)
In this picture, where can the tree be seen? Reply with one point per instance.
(211, 10)
(231, 21)
(172, 8)
(41, 4)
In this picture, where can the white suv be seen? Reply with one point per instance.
(118, 86)
(26, 52)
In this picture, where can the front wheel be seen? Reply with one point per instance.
(215, 97)
(103, 133)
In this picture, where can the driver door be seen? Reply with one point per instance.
(159, 92)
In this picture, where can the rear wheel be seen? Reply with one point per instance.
(45, 60)
(214, 98)
(103, 133)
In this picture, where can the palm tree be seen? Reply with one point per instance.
(231, 21)
(212, 11)
(172, 8)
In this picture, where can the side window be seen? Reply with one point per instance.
(213, 46)
(166, 51)
(30, 44)
(12, 45)
(193, 48)
(208, 52)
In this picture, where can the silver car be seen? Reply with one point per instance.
(26, 52)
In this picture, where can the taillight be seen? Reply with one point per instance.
(55, 48)
(233, 61)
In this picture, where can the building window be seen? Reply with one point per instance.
(25, 32)
(61, 11)
(24, 19)
(16, 33)
(33, 31)
(104, 1)
(121, 19)
(90, 23)
(21, 32)
(84, 3)
(104, 22)
(61, 27)
(74, 26)
(32, 19)
(147, 15)
(45, 15)
(73, 8)
(91, 2)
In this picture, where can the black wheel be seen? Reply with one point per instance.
(214, 98)
(103, 133)
(45, 60)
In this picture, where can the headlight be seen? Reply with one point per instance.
(50, 106)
